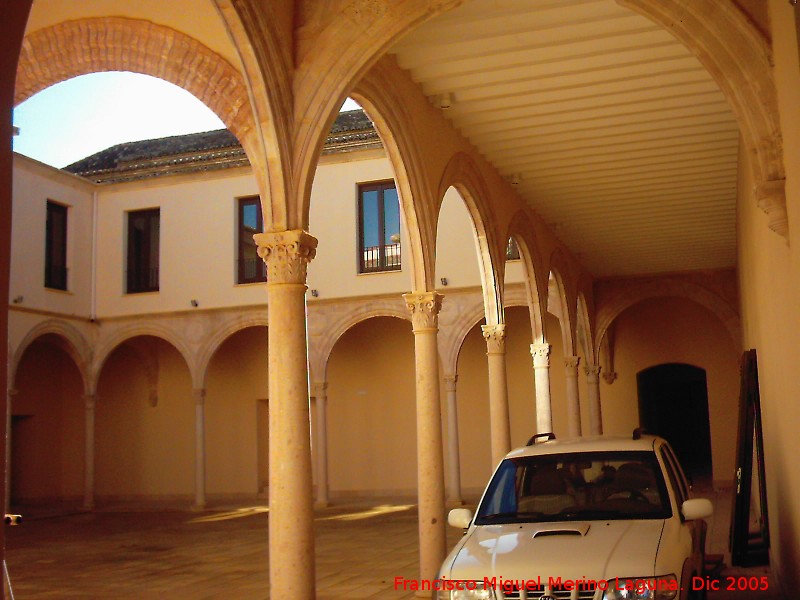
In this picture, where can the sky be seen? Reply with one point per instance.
(78, 117)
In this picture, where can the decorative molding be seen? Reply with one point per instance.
(286, 254)
(771, 197)
(592, 373)
(495, 336)
(541, 355)
(424, 307)
(571, 363)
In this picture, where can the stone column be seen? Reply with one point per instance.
(541, 375)
(453, 459)
(573, 397)
(320, 392)
(425, 307)
(9, 400)
(291, 503)
(199, 395)
(593, 390)
(495, 336)
(89, 401)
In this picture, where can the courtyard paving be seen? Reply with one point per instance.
(216, 554)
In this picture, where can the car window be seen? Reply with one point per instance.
(576, 487)
(674, 465)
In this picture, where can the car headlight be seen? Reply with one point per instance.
(464, 590)
(664, 587)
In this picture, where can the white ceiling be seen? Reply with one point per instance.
(624, 144)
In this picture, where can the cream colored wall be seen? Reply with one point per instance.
(35, 184)
(143, 451)
(47, 446)
(237, 379)
(675, 330)
(769, 275)
(372, 411)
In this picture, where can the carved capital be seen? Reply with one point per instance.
(592, 373)
(771, 197)
(541, 355)
(199, 395)
(610, 377)
(495, 336)
(450, 383)
(89, 401)
(319, 389)
(286, 254)
(571, 364)
(424, 307)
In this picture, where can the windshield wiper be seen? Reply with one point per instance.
(514, 516)
(590, 513)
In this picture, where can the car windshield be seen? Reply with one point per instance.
(576, 487)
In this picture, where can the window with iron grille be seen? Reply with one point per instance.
(379, 227)
(55, 249)
(250, 267)
(143, 250)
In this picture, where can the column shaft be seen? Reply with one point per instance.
(199, 396)
(593, 392)
(320, 391)
(291, 517)
(495, 336)
(424, 309)
(573, 397)
(453, 458)
(7, 478)
(541, 375)
(89, 452)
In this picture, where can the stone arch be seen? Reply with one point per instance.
(634, 292)
(565, 297)
(104, 348)
(719, 34)
(462, 174)
(72, 48)
(374, 93)
(72, 342)
(334, 331)
(583, 323)
(522, 230)
(220, 335)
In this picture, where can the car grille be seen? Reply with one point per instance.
(585, 592)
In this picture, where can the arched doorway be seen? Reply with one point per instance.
(673, 403)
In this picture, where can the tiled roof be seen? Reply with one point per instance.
(207, 151)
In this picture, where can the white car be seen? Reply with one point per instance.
(601, 518)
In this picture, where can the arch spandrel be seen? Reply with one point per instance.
(220, 335)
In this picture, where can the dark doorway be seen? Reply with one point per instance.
(673, 403)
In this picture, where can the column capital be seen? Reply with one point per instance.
(571, 363)
(199, 395)
(89, 401)
(495, 336)
(541, 355)
(610, 377)
(450, 382)
(592, 371)
(12, 392)
(424, 307)
(286, 254)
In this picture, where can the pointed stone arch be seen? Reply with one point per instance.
(583, 323)
(521, 228)
(566, 299)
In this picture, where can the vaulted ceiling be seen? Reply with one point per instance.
(617, 135)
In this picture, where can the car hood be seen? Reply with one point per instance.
(572, 550)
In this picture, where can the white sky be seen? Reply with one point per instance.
(76, 118)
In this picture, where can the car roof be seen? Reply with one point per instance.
(602, 443)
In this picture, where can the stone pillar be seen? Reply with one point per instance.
(425, 307)
(199, 395)
(453, 459)
(320, 392)
(573, 398)
(593, 390)
(495, 336)
(541, 375)
(9, 401)
(89, 401)
(291, 503)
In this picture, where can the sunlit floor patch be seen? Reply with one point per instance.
(375, 511)
(231, 514)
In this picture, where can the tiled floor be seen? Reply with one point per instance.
(223, 554)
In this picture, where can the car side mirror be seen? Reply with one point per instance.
(697, 508)
(459, 517)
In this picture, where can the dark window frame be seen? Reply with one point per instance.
(249, 269)
(55, 252)
(383, 257)
(143, 252)
(512, 250)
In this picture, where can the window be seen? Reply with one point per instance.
(55, 249)
(379, 227)
(143, 250)
(512, 250)
(249, 266)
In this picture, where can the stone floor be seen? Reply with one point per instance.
(128, 554)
